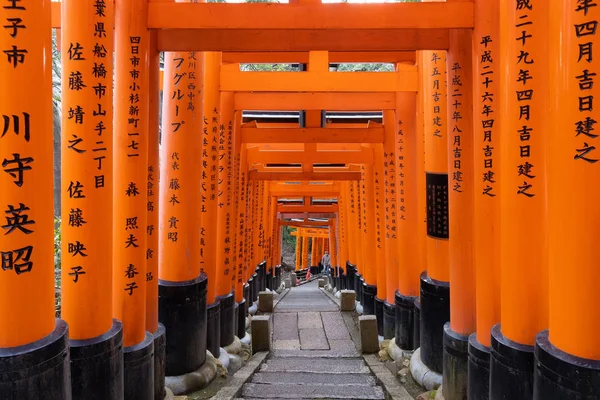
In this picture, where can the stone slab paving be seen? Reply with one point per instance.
(313, 339)
(302, 377)
(285, 326)
(313, 356)
(314, 391)
(310, 320)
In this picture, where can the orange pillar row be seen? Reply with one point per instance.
(486, 191)
(240, 210)
(131, 119)
(379, 215)
(358, 236)
(409, 167)
(460, 163)
(343, 236)
(153, 189)
(209, 192)
(313, 251)
(368, 239)
(523, 200)
(224, 250)
(179, 214)
(298, 249)
(569, 349)
(333, 231)
(86, 192)
(305, 251)
(391, 214)
(434, 299)
(27, 270)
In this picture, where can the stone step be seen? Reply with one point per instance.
(342, 353)
(311, 391)
(316, 365)
(312, 378)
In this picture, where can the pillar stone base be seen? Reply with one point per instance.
(379, 315)
(389, 320)
(479, 370)
(511, 368)
(455, 376)
(182, 311)
(242, 312)
(97, 366)
(227, 319)
(293, 279)
(160, 360)
(405, 321)
(417, 324)
(435, 312)
(138, 362)
(562, 376)
(39, 370)
(213, 328)
(369, 294)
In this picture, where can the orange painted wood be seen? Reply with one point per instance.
(523, 203)
(351, 40)
(130, 200)
(209, 166)
(153, 190)
(409, 172)
(486, 243)
(225, 197)
(303, 176)
(367, 238)
(379, 220)
(309, 209)
(334, 57)
(319, 81)
(295, 157)
(460, 164)
(310, 16)
(574, 311)
(87, 247)
(312, 135)
(179, 221)
(347, 101)
(27, 273)
(436, 147)
(390, 209)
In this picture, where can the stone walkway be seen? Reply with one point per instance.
(314, 356)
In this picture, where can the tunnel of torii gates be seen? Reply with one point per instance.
(480, 175)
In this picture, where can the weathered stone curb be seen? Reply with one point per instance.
(421, 373)
(234, 387)
(193, 381)
(331, 296)
(392, 388)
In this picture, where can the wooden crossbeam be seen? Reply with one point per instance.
(302, 224)
(319, 81)
(304, 176)
(334, 57)
(314, 101)
(175, 15)
(351, 40)
(300, 157)
(306, 209)
(312, 135)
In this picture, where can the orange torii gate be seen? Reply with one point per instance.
(464, 207)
